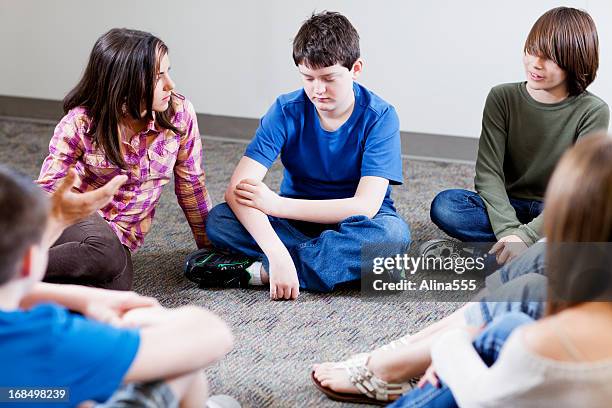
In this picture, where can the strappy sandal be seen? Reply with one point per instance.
(373, 389)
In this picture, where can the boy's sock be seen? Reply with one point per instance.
(255, 271)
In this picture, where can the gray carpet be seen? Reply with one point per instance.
(276, 342)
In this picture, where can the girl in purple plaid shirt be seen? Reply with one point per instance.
(123, 117)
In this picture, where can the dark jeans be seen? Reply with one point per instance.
(462, 214)
(488, 344)
(89, 253)
(324, 255)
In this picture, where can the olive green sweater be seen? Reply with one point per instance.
(521, 142)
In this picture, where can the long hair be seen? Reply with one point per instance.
(119, 80)
(578, 225)
(568, 37)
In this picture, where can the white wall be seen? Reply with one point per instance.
(434, 60)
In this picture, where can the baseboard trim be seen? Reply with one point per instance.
(418, 146)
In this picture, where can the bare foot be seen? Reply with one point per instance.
(334, 377)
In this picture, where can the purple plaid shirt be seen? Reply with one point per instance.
(151, 157)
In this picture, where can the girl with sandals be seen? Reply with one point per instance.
(563, 359)
(123, 118)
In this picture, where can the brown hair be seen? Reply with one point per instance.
(120, 76)
(325, 39)
(568, 37)
(23, 218)
(578, 224)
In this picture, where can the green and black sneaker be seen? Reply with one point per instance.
(215, 269)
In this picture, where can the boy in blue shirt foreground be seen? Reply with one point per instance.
(340, 147)
(81, 345)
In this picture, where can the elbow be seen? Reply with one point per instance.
(229, 197)
(365, 206)
(213, 329)
(225, 338)
(366, 209)
(228, 339)
(370, 212)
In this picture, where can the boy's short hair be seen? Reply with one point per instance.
(23, 217)
(568, 37)
(326, 39)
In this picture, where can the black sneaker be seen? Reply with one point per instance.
(445, 248)
(211, 268)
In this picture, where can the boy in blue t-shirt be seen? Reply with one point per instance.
(52, 356)
(340, 146)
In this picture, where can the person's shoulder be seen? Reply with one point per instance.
(542, 339)
(182, 113)
(76, 119)
(42, 318)
(374, 104)
(291, 105)
(592, 101)
(508, 89)
(182, 108)
(292, 100)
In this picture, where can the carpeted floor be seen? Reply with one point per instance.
(276, 342)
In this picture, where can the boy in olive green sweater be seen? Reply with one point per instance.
(526, 127)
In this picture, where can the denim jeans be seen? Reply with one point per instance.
(488, 344)
(462, 214)
(519, 285)
(525, 294)
(324, 255)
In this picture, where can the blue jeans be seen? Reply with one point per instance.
(488, 344)
(324, 255)
(525, 294)
(519, 285)
(462, 214)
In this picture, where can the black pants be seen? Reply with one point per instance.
(89, 253)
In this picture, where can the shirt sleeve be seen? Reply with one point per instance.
(65, 148)
(596, 120)
(92, 356)
(490, 179)
(382, 155)
(458, 364)
(270, 137)
(190, 179)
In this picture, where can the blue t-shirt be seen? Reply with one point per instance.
(48, 346)
(328, 165)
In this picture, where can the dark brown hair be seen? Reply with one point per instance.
(578, 225)
(325, 39)
(119, 80)
(568, 37)
(23, 218)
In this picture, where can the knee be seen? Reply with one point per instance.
(530, 287)
(501, 327)
(396, 230)
(445, 206)
(217, 222)
(441, 209)
(392, 232)
(107, 256)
